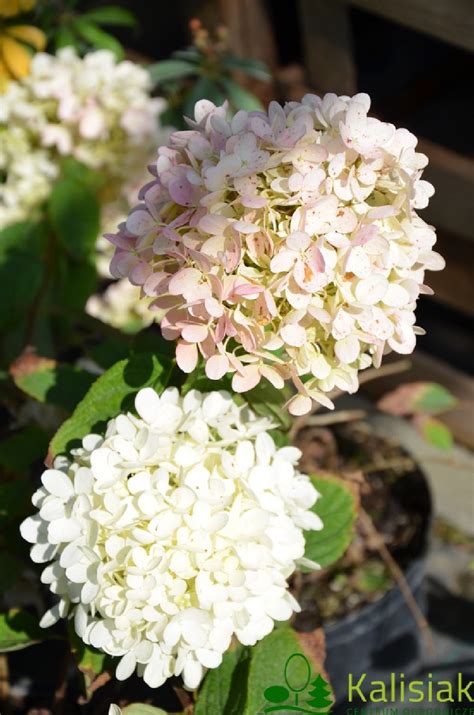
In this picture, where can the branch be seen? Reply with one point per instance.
(324, 420)
(399, 576)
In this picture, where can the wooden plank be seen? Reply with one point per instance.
(453, 285)
(452, 175)
(448, 20)
(251, 36)
(327, 38)
(250, 30)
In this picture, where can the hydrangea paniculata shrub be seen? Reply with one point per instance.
(284, 245)
(173, 533)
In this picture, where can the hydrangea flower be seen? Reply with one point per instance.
(284, 244)
(95, 109)
(173, 533)
(120, 306)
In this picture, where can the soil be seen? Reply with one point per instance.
(393, 492)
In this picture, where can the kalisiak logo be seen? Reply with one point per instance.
(301, 693)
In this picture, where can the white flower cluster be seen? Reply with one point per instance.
(285, 244)
(92, 108)
(176, 531)
(120, 306)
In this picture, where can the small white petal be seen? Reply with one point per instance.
(147, 404)
(57, 483)
(50, 617)
(126, 666)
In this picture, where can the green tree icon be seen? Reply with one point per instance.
(320, 694)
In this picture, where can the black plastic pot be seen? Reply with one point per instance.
(379, 639)
(383, 636)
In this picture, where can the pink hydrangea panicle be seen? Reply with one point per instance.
(284, 245)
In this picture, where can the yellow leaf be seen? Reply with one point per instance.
(9, 8)
(29, 34)
(16, 58)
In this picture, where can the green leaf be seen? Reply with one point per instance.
(64, 37)
(142, 709)
(252, 68)
(198, 380)
(278, 659)
(434, 399)
(43, 379)
(240, 684)
(417, 397)
(74, 212)
(110, 394)
(96, 37)
(112, 15)
(336, 507)
(167, 70)
(108, 351)
(216, 689)
(18, 452)
(435, 432)
(18, 629)
(239, 97)
(77, 282)
(21, 268)
(191, 54)
(73, 169)
(268, 401)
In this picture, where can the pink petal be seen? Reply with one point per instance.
(283, 261)
(247, 289)
(247, 379)
(184, 280)
(217, 366)
(272, 376)
(245, 227)
(253, 202)
(139, 274)
(155, 283)
(300, 405)
(122, 263)
(316, 260)
(120, 240)
(194, 333)
(232, 254)
(181, 219)
(182, 192)
(213, 224)
(186, 356)
(139, 222)
(213, 307)
(298, 241)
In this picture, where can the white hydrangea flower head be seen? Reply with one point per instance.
(120, 306)
(28, 175)
(285, 244)
(173, 533)
(94, 109)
